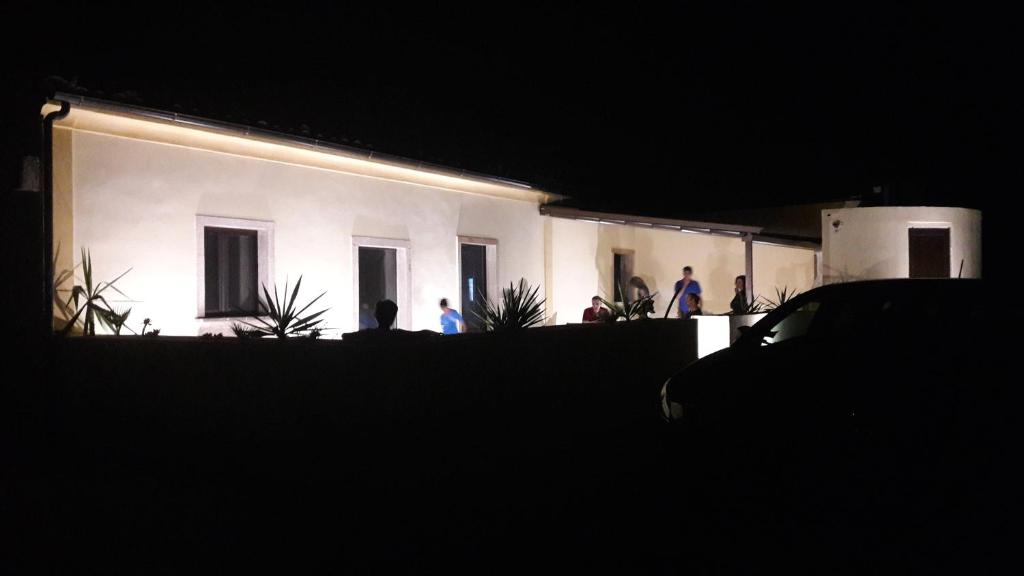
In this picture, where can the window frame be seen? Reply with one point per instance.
(403, 277)
(264, 257)
(491, 262)
(626, 273)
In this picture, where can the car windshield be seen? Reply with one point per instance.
(793, 325)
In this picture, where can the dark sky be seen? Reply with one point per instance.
(642, 109)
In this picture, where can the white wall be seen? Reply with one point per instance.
(136, 202)
(782, 267)
(581, 260)
(573, 275)
(872, 243)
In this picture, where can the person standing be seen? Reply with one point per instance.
(596, 312)
(686, 285)
(739, 302)
(451, 320)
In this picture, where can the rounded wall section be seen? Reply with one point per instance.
(874, 243)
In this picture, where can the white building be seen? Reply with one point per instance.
(900, 242)
(204, 212)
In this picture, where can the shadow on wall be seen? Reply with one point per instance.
(786, 276)
(833, 275)
(722, 275)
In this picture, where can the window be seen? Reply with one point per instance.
(234, 264)
(478, 277)
(232, 281)
(378, 280)
(793, 325)
(381, 271)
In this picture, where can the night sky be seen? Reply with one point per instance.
(637, 109)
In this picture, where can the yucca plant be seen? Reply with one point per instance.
(116, 319)
(62, 304)
(638, 308)
(519, 308)
(91, 305)
(757, 306)
(285, 320)
(781, 297)
(243, 331)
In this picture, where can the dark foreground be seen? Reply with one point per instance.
(539, 452)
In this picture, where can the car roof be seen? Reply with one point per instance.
(900, 285)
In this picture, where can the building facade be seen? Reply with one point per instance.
(882, 242)
(203, 214)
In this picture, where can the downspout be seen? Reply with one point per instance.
(748, 265)
(46, 322)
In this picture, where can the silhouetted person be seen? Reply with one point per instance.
(451, 320)
(385, 312)
(739, 301)
(686, 285)
(693, 305)
(596, 312)
(642, 293)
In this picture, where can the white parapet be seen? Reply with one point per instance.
(712, 334)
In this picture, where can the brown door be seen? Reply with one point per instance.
(929, 253)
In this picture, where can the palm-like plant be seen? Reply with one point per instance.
(519, 308)
(287, 320)
(62, 304)
(638, 308)
(756, 307)
(116, 319)
(91, 305)
(243, 331)
(781, 297)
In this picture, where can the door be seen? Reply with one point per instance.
(473, 283)
(378, 280)
(929, 253)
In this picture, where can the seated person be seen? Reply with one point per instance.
(693, 302)
(596, 312)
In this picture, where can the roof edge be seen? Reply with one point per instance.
(313, 144)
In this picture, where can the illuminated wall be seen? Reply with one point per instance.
(136, 187)
(872, 243)
(130, 189)
(782, 267)
(582, 264)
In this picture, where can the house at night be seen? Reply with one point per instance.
(205, 212)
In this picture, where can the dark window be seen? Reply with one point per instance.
(474, 284)
(929, 252)
(378, 280)
(232, 278)
(617, 277)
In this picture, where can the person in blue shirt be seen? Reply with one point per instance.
(686, 285)
(451, 320)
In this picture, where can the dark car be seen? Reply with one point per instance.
(853, 414)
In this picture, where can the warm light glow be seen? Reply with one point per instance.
(204, 138)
